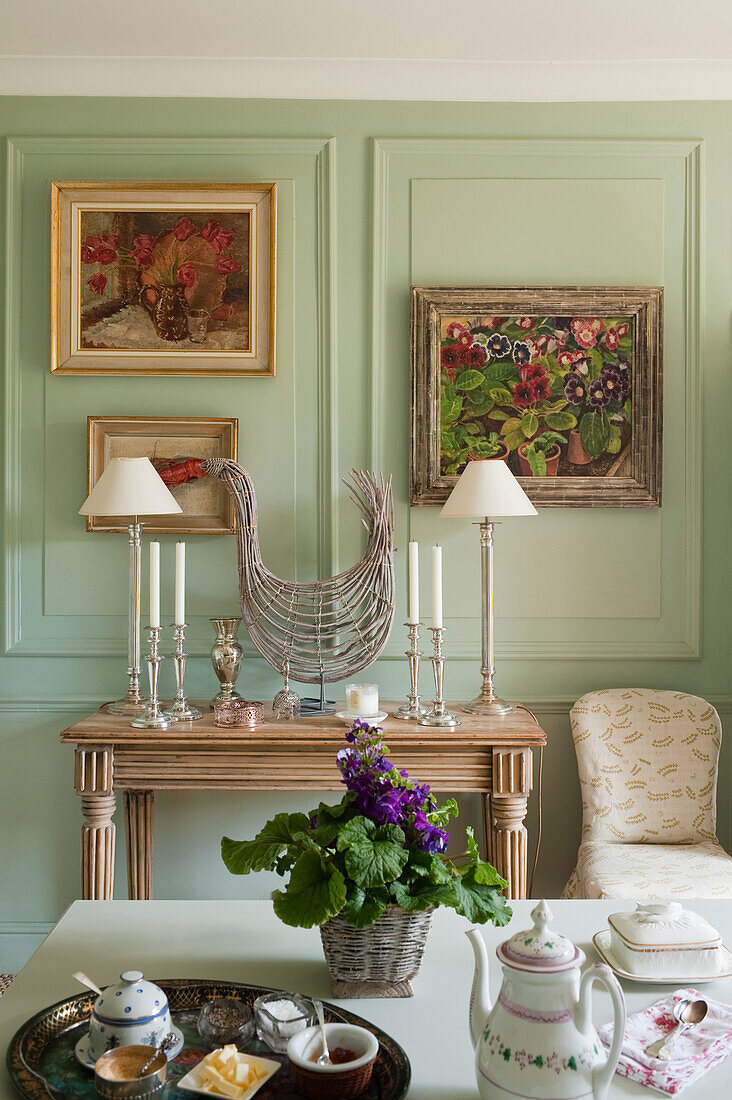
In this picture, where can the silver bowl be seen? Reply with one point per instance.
(115, 1073)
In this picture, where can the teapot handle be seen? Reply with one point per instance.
(603, 1075)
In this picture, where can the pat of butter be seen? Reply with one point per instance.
(241, 1074)
(211, 1078)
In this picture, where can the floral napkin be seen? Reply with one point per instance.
(693, 1054)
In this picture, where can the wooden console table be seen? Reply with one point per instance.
(489, 756)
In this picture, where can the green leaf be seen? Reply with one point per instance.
(513, 440)
(441, 815)
(536, 460)
(450, 409)
(479, 903)
(355, 831)
(315, 893)
(376, 862)
(499, 414)
(449, 444)
(561, 421)
(530, 425)
(473, 429)
(595, 432)
(261, 854)
(479, 402)
(470, 380)
(362, 908)
(503, 371)
(501, 396)
(628, 410)
(613, 447)
(513, 424)
(421, 896)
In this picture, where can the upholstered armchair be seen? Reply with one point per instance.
(647, 764)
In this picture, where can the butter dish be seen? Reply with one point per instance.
(665, 938)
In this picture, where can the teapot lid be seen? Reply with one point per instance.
(540, 949)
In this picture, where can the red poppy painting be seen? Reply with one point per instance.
(562, 385)
(163, 278)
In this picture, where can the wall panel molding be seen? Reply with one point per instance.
(392, 155)
(319, 158)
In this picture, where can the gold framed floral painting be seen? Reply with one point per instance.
(163, 278)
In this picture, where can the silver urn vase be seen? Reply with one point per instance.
(226, 655)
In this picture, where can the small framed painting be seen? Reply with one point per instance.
(163, 278)
(563, 384)
(176, 447)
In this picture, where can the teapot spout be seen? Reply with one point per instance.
(480, 1001)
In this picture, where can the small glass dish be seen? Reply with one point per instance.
(276, 1023)
(226, 1020)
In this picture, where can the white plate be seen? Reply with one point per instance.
(372, 719)
(81, 1050)
(603, 940)
(192, 1082)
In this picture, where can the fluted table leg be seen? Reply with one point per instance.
(512, 778)
(94, 782)
(139, 806)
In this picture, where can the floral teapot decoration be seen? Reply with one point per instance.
(537, 1041)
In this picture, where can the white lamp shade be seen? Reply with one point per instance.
(130, 487)
(487, 488)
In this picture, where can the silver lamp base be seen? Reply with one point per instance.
(488, 707)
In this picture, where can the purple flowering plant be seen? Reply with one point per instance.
(383, 844)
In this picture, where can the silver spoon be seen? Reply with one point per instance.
(688, 1014)
(82, 978)
(323, 1058)
(165, 1045)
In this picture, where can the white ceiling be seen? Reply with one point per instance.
(403, 49)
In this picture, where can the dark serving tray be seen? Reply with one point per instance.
(42, 1063)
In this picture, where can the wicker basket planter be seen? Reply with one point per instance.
(378, 961)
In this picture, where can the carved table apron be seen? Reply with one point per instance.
(489, 756)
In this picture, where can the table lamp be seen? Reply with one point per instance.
(130, 488)
(487, 488)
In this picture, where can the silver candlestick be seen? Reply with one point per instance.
(438, 714)
(153, 717)
(181, 710)
(413, 708)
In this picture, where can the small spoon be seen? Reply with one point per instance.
(82, 978)
(324, 1058)
(688, 1014)
(165, 1045)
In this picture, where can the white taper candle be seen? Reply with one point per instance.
(154, 584)
(413, 582)
(180, 583)
(437, 585)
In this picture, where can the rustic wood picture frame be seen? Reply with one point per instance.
(207, 506)
(637, 481)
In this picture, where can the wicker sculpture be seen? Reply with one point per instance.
(327, 630)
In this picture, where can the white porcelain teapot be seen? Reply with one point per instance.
(538, 1041)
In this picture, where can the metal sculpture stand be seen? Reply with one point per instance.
(317, 706)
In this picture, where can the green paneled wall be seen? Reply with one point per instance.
(372, 197)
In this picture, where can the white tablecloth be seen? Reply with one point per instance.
(243, 941)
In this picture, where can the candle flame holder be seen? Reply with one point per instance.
(412, 709)
(438, 714)
(153, 717)
(181, 710)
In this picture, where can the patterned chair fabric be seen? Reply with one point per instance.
(647, 763)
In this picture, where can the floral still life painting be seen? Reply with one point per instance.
(148, 281)
(569, 400)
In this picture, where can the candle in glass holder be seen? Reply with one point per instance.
(362, 700)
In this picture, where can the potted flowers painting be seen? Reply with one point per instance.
(371, 869)
(566, 381)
